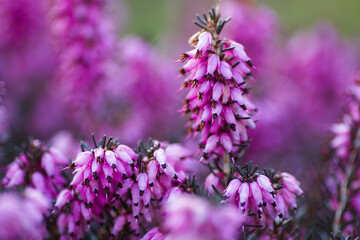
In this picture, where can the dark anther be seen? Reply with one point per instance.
(249, 63)
(163, 165)
(142, 192)
(182, 71)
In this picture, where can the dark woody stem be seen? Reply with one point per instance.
(344, 188)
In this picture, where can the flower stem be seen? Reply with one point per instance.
(227, 165)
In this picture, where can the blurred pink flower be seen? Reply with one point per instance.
(191, 217)
(22, 217)
(38, 166)
(253, 25)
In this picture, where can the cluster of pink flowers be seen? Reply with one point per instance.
(191, 217)
(218, 101)
(254, 192)
(22, 217)
(114, 175)
(38, 166)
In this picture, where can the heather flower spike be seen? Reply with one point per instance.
(218, 101)
(263, 192)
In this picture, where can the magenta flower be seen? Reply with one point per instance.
(158, 172)
(213, 180)
(217, 101)
(22, 217)
(38, 166)
(74, 216)
(154, 234)
(190, 217)
(251, 193)
(271, 198)
(113, 176)
(100, 171)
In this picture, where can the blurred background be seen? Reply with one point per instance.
(293, 15)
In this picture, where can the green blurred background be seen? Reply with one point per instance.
(158, 16)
